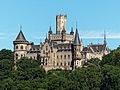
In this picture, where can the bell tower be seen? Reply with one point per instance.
(60, 23)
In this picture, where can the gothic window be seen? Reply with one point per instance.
(16, 47)
(21, 55)
(46, 61)
(61, 56)
(68, 56)
(54, 54)
(64, 63)
(57, 56)
(16, 56)
(57, 64)
(68, 63)
(21, 47)
(61, 64)
(64, 56)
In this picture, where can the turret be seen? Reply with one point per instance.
(60, 23)
(20, 46)
(71, 32)
(63, 34)
(49, 33)
(77, 48)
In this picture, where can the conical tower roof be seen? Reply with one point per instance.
(20, 37)
(77, 39)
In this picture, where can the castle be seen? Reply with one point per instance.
(60, 50)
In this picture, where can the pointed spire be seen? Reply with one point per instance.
(105, 41)
(77, 39)
(76, 25)
(20, 36)
(50, 30)
(21, 28)
(71, 32)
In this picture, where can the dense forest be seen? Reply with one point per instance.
(95, 75)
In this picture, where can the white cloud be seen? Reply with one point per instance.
(92, 34)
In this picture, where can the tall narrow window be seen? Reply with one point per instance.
(16, 56)
(16, 47)
(21, 47)
(64, 56)
(68, 56)
(61, 56)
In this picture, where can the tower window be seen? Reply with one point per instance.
(21, 47)
(57, 56)
(68, 56)
(46, 61)
(16, 56)
(57, 64)
(61, 56)
(61, 64)
(16, 47)
(21, 55)
(64, 56)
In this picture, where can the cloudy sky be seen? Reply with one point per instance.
(35, 16)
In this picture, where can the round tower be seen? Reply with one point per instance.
(20, 46)
(77, 48)
(60, 23)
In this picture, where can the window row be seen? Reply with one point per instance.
(63, 56)
(21, 47)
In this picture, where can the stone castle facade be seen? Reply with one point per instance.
(60, 50)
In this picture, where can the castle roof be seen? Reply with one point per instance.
(97, 48)
(20, 37)
(77, 39)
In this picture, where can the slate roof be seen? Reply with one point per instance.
(97, 48)
(20, 37)
(77, 39)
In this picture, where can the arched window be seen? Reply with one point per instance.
(21, 47)
(21, 55)
(16, 56)
(16, 47)
(46, 61)
(64, 56)
(61, 64)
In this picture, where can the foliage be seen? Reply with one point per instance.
(95, 75)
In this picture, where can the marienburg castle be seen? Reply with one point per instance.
(60, 50)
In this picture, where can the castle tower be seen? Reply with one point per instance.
(63, 34)
(77, 48)
(20, 46)
(49, 33)
(60, 23)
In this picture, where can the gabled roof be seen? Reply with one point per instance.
(97, 48)
(77, 39)
(20, 37)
